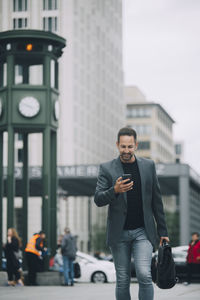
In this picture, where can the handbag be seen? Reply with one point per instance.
(18, 254)
(166, 272)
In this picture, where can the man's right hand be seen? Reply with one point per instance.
(121, 186)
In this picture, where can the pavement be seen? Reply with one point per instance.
(91, 291)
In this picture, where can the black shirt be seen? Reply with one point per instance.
(134, 217)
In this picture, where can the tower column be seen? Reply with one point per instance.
(10, 178)
(46, 183)
(53, 203)
(25, 190)
(1, 193)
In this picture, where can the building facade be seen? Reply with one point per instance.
(91, 93)
(179, 151)
(153, 125)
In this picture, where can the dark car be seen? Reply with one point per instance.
(179, 255)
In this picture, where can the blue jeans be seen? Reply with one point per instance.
(68, 269)
(133, 242)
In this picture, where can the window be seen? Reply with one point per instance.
(144, 145)
(142, 129)
(50, 4)
(19, 5)
(18, 220)
(133, 112)
(178, 149)
(20, 155)
(18, 74)
(36, 74)
(20, 23)
(20, 137)
(50, 23)
(54, 74)
(29, 74)
(3, 74)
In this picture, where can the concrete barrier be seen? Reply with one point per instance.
(3, 278)
(49, 278)
(43, 278)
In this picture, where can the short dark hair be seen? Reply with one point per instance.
(195, 233)
(127, 131)
(41, 232)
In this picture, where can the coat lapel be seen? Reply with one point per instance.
(142, 176)
(119, 171)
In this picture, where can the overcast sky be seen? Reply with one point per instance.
(162, 58)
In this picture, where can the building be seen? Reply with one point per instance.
(179, 151)
(153, 125)
(91, 93)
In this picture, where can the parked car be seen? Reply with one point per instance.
(91, 269)
(110, 258)
(179, 254)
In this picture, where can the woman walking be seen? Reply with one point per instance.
(11, 252)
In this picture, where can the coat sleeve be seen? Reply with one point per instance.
(158, 210)
(63, 243)
(104, 193)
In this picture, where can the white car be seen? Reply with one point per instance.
(91, 269)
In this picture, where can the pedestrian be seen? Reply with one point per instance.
(34, 249)
(12, 250)
(193, 258)
(68, 250)
(133, 207)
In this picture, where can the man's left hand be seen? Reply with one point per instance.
(164, 238)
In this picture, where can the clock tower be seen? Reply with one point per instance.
(29, 103)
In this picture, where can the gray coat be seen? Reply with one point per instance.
(68, 246)
(117, 210)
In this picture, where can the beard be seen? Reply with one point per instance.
(126, 156)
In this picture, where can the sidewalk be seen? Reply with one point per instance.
(89, 291)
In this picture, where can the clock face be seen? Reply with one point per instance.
(1, 107)
(56, 110)
(29, 107)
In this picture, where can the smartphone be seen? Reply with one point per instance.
(127, 176)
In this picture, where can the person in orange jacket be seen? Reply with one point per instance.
(33, 250)
(193, 257)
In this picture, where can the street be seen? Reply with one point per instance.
(89, 291)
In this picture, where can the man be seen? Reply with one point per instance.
(133, 206)
(68, 250)
(34, 249)
(193, 257)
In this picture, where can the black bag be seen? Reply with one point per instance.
(166, 273)
(154, 268)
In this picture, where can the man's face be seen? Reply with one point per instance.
(43, 236)
(126, 146)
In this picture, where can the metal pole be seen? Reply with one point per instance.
(10, 178)
(46, 186)
(1, 196)
(89, 225)
(11, 162)
(53, 216)
(46, 204)
(25, 191)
